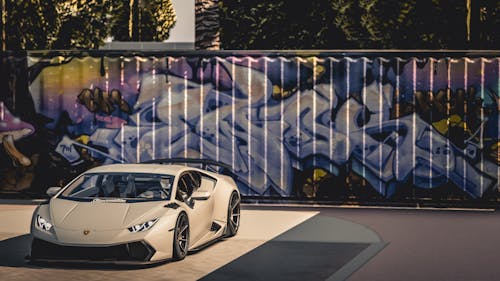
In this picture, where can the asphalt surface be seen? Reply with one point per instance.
(428, 244)
(323, 247)
(417, 245)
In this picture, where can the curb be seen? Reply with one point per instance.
(22, 201)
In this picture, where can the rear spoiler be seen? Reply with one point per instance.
(205, 163)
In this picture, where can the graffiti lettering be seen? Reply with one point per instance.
(391, 125)
(96, 100)
(435, 106)
(66, 149)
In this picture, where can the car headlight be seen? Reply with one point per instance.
(43, 223)
(142, 226)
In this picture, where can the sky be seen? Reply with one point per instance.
(183, 30)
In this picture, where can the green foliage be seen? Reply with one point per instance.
(163, 17)
(488, 25)
(438, 25)
(120, 22)
(151, 20)
(84, 24)
(37, 16)
(338, 24)
(277, 24)
(345, 19)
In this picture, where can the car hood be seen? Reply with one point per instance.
(102, 215)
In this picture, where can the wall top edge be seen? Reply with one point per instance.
(258, 53)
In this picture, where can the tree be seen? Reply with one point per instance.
(346, 19)
(439, 24)
(339, 24)
(54, 24)
(412, 24)
(486, 19)
(386, 23)
(142, 20)
(30, 24)
(279, 24)
(84, 24)
(207, 24)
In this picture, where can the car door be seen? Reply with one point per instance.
(200, 212)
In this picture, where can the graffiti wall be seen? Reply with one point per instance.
(355, 128)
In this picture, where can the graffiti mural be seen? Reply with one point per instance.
(323, 127)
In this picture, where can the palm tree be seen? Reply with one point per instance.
(207, 24)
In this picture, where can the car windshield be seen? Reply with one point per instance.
(120, 187)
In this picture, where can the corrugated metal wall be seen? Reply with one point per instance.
(358, 127)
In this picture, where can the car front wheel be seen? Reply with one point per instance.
(181, 237)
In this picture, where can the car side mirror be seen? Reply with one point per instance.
(53, 190)
(200, 195)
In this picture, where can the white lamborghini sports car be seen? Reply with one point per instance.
(135, 214)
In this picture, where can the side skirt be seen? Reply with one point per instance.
(84, 262)
(207, 244)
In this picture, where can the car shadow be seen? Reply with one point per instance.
(15, 250)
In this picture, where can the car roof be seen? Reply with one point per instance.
(140, 168)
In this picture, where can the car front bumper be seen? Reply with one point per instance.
(139, 252)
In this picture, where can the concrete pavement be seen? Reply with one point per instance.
(14, 226)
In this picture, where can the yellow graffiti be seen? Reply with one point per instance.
(444, 125)
(83, 139)
(280, 93)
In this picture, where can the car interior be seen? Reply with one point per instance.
(122, 186)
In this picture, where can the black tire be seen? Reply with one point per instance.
(181, 237)
(233, 215)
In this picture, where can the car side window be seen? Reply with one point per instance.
(194, 180)
(181, 188)
(188, 183)
(207, 184)
(184, 186)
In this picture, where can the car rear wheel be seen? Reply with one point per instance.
(233, 215)
(181, 237)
